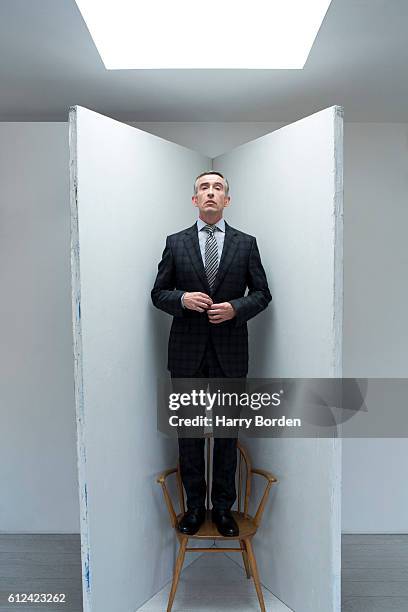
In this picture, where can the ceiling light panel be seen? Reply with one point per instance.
(155, 34)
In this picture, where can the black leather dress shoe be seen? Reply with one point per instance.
(225, 522)
(192, 521)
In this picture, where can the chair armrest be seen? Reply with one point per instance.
(161, 480)
(162, 477)
(265, 474)
(271, 480)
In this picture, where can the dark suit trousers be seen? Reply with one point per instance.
(191, 453)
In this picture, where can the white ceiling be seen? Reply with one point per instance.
(48, 62)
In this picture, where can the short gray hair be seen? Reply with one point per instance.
(212, 172)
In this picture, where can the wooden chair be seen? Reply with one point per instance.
(248, 525)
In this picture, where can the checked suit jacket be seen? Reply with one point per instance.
(181, 269)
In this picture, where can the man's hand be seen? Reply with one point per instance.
(221, 312)
(196, 300)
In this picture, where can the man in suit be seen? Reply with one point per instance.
(201, 281)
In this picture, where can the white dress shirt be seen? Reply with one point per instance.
(219, 235)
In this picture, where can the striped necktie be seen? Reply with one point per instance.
(211, 254)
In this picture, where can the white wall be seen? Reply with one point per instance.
(38, 474)
(375, 471)
(289, 195)
(38, 455)
(208, 138)
(129, 191)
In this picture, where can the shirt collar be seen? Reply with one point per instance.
(220, 224)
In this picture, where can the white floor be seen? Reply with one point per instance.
(213, 583)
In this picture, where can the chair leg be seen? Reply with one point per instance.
(255, 574)
(177, 571)
(245, 559)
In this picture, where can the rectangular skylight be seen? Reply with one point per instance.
(256, 34)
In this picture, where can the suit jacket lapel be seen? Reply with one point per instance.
(228, 251)
(193, 248)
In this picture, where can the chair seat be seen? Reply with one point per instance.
(209, 531)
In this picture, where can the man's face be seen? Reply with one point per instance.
(210, 198)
